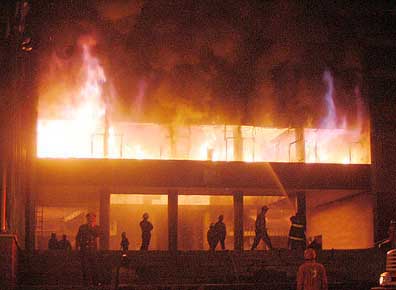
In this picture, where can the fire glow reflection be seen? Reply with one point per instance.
(84, 130)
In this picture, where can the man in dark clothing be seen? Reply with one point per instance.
(124, 242)
(146, 227)
(53, 242)
(261, 229)
(86, 242)
(316, 244)
(297, 239)
(64, 244)
(212, 237)
(221, 232)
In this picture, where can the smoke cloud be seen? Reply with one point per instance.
(251, 62)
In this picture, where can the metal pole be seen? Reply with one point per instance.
(3, 220)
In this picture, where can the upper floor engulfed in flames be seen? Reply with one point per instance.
(84, 129)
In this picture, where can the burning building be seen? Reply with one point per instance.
(177, 119)
(83, 126)
(188, 119)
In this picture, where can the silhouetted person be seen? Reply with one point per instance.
(297, 239)
(212, 237)
(146, 227)
(64, 244)
(86, 242)
(221, 232)
(53, 242)
(124, 245)
(261, 229)
(311, 275)
(316, 244)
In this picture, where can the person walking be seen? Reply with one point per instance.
(261, 229)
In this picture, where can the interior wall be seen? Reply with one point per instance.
(62, 214)
(196, 213)
(346, 222)
(126, 218)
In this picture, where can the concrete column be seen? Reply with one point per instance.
(172, 141)
(104, 214)
(238, 144)
(172, 221)
(238, 221)
(8, 261)
(301, 206)
(29, 190)
(30, 222)
(300, 145)
(380, 95)
(3, 218)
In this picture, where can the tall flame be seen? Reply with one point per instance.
(330, 120)
(71, 137)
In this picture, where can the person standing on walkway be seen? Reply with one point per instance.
(297, 239)
(221, 231)
(212, 237)
(64, 244)
(146, 228)
(124, 245)
(53, 242)
(86, 243)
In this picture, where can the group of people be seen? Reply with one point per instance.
(311, 275)
(296, 239)
(86, 243)
(146, 227)
(88, 234)
(55, 244)
(217, 233)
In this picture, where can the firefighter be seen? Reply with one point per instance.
(86, 243)
(297, 239)
(316, 243)
(311, 275)
(53, 242)
(261, 229)
(212, 237)
(221, 231)
(64, 244)
(124, 245)
(146, 228)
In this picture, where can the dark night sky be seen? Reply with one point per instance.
(213, 61)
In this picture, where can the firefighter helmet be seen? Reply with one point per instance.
(309, 254)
